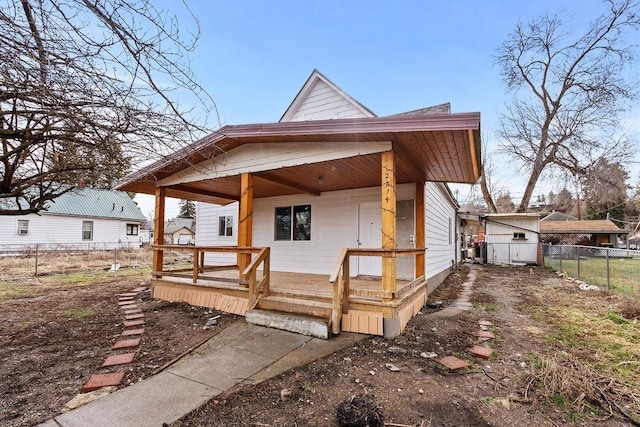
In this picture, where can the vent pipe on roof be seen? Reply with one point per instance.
(114, 207)
(122, 209)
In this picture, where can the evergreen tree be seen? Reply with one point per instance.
(187, 209)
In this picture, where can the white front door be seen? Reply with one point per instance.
(369, 236)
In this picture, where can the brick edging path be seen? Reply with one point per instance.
(124, 350)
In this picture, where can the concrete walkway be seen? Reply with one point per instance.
(463, 303)
(239, 353)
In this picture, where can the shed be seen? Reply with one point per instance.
(511, 238)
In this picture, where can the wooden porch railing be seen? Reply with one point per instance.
(340, 279)
(250, 273)
(198, 267)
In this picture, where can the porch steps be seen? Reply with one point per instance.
(292, 322)
(295, 314)
(298, 305)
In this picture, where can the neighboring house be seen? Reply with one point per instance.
(558, 216)
(329, 212)
(180, 231)
(601, 232)
(512, 238)
(92, 218)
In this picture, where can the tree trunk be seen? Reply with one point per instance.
(531, 185)
(486, 194)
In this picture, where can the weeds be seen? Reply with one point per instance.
(566, 381)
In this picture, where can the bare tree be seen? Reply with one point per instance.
(486, 185)
(86, 88)
(504, 203)
(569, 90)
(605, 190)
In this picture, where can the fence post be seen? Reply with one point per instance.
(606, 251)
(36, 266)
(508, 253)
(115, 256)
(561, 255)
(578, 256)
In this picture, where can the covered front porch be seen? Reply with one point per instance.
(297, 165)
(346, 303)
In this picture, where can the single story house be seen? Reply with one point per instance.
(332, 212)
(84, 217)
(180, 231)
(600, 232)
(511, 238)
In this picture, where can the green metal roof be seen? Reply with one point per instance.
(95, 203)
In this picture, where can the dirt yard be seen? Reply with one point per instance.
(547, 369)
(56, 332)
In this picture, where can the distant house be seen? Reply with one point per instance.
(180, 231)
(93, 218)
(511, 238)
(602, 232)
(558, 216)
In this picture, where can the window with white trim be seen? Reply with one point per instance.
(132, 229)
(519, 236)
(225, 226)
(23, 227)
(293, 223)
(87, 230)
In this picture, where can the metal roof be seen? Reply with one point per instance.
(95, 203)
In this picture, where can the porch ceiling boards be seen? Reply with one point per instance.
(436, 147)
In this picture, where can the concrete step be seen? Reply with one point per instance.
(292, 322)
(296, 305)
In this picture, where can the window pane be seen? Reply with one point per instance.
(23, 226)
(283, 223)
(225, 226)
(302, 215)
(221, 226)
(229, 226)
(87, 230)
(132, 229)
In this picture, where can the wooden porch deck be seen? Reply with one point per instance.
(300, 284)
(353, 304)
(365, 313)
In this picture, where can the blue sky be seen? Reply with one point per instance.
(392, 56)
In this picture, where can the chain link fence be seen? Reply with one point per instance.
(609, 268)
(22, 261)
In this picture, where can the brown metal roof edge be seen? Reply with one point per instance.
(369, 125)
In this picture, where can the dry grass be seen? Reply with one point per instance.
(566, 380)
(64, 262)
(595, 338)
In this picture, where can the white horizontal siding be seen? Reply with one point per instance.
(501, 229)
(439, 237)
(207, 231)
(323, 103)
(58, 229)
(334, 225)
(502, 248)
